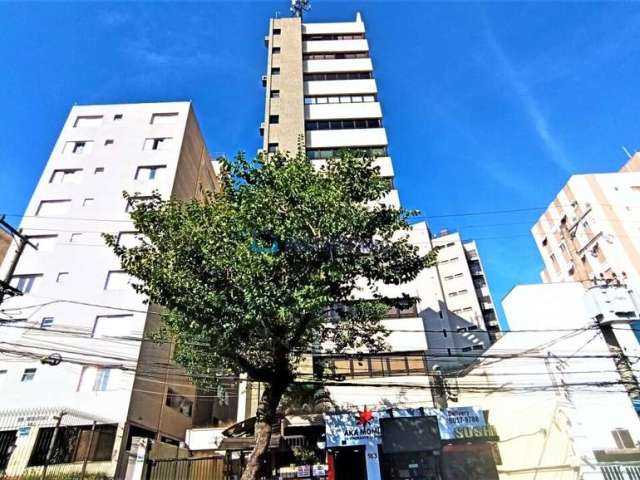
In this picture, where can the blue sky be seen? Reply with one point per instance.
(488, 106)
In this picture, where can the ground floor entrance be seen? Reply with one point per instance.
(349, 463)
(410, 466)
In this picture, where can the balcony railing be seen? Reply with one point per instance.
(621, 471)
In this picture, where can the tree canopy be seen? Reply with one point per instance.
(269, 268)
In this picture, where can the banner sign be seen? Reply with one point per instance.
(363, 427)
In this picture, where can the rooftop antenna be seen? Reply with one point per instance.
(624, 149)
(298, 7)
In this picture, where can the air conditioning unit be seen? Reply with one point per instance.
(264, 80)
(262, 129)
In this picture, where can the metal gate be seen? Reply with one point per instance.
(195, 468)
(55, 444)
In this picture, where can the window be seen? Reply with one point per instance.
(53, 207)
(367, 366)
(308, 77)
(164, 118)
(62, 277)
(332, 36)
(73, 444)
(108, 142)
(326, 153)
(117, 280)
(66, 176)
(3, 377)
(28, 374)
(275, 70)
(94, 379)
(74, 237)
(478, 347)
(409, 311)
(87, 202)
(466, 349)
(274, 118)
(46, 322)
(98, 170)
(335, 55)
(343, 124)
(25, 283)
(272, 148)
(275, 93)
(275, 50)
(108, 326)
(179, 402)
(117, 116)
(45, 243)
(78, 147)
(88, 121)
(276, 31)
(133, 202)
(340, 99)
(623, 438)
(159, 143)
(149, 172)
(552, 257)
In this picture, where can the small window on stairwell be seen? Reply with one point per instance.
(275, 93)
(272, 148)
(275, 70)
(274, 119)
(275, 50)
(276, 31)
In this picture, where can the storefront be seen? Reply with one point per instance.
(414, 443)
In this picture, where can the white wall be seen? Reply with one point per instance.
(87, 261)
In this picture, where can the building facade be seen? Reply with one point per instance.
(557, 402)
(591, 229)
(77, 303)
(465, 285)
(321, 96)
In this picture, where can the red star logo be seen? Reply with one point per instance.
(365, 416)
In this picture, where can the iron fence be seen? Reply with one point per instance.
(55, 444)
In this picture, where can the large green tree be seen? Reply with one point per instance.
(272, 267)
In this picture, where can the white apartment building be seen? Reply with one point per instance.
(466, 289)
(592, 228)
(78, 304)
(554, 394)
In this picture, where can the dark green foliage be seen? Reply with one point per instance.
(237, 305)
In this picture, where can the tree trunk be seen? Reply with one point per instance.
(265, 417)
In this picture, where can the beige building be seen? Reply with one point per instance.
(465, 285)
(592, 228)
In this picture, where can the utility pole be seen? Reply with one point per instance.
(52, 445)
(622, 363)
(6, 290)
(568, 236)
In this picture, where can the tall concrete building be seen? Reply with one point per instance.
(321, 95)
(592, 228)
(465, 284)
(78, 304)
